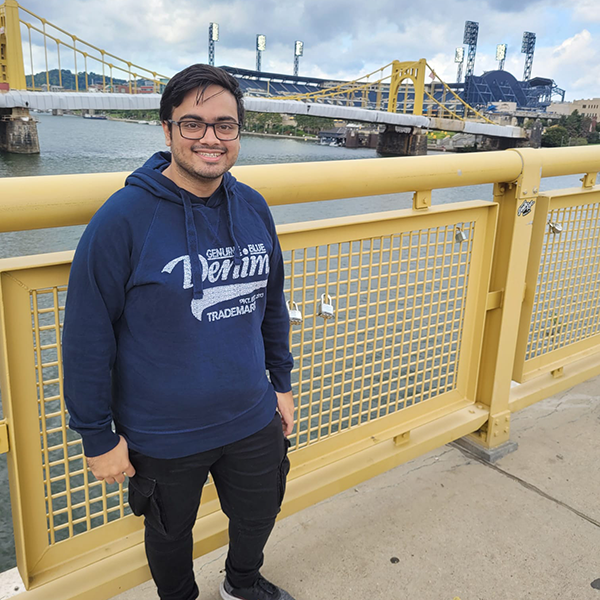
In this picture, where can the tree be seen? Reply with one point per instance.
(555, 136)
(313, 124)
(528, 123)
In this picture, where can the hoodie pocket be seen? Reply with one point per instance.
(144, 499)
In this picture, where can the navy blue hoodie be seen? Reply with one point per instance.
(174, 311)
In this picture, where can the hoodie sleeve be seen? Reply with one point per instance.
(95, 299)
(276, 323)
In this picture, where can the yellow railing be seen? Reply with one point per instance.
(421, 351)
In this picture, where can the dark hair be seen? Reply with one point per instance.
(198, 77)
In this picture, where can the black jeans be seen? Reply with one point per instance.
(250, 478)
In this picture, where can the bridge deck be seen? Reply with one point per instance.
(105, 101)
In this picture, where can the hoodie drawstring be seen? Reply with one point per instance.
(237, 254)
(192, 246)
(192, 240)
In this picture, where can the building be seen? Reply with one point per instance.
(587, 108)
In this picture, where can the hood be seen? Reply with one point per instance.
(150, 178)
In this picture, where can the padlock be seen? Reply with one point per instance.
(325, 309)
(555, 228)
(294, 312)
(460, 236)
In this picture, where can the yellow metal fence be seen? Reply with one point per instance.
(421, 350)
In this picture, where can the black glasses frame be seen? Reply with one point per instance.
(207, 125)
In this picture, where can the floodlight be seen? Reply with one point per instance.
(459, 54)
(500, 51)
(471, 33)
(299, 48)
(528, 42)
(261, 42)
(214, 32)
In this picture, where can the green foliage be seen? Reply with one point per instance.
(273, 123)
(136, 115)
(313, 124)
(594, 138)
(263, 122)
(555, 136)
(67, 79)
(578, 131)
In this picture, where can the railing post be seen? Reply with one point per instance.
(12, 69)
(516, 202)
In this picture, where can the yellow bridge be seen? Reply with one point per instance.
(437, 310)
(407, 95)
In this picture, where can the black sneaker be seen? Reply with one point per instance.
(261, 590)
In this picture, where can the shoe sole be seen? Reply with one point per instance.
(224, 594)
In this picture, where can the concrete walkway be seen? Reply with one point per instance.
(447, 526)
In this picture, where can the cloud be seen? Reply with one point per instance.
(576, 60)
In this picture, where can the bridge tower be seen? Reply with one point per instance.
(213, 36)
(527, 48)
(12, 70)
(405, 141)
(18, 131)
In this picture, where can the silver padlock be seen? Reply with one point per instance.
(325, 309)
(555, 228)
(294, 312)
(460, 236)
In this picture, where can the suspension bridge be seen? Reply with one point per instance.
(405, 99)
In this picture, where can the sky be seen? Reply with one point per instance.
(343, 39)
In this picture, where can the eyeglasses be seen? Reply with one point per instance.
(226, 131)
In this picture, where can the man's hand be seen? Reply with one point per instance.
(113, 465)
(285, 406)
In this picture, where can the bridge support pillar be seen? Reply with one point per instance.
(57, 112)
(18, 131)
(401, 141)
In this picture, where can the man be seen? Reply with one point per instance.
(175, 309)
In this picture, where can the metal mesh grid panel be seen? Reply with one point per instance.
(566, 306)
(395, 339)
(75, 501)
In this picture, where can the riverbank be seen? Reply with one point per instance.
(277, 136)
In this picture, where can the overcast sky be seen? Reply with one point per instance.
(343, 39)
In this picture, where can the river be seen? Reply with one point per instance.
(74, 145)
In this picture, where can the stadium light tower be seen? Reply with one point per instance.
(459, 57)
(470, 39)
(213, 36)
(501, 55)
(298, 52)
(261, 45)
(527, 48)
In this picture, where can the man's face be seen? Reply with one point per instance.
(209, 158)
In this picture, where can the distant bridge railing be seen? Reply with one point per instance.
(437, 310)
